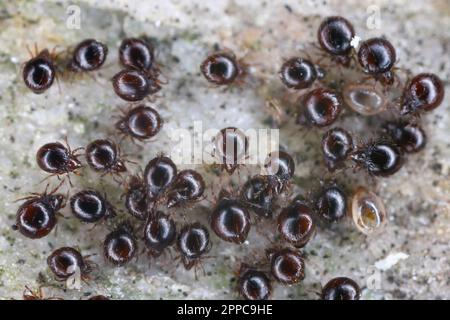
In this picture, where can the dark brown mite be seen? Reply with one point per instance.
(99, 297)
(230, 219)
(36, 217)
(286, 265)
(221, 68)
(137, 54)
(298, 73)
(423, 93)
(253, 284)
(381, 159)
(134, 85)
(89, 55)
(188, 187)
(337, 145)
(281, 165)
(159, 174)
(192, 243)
(57, 159)
(259, 195)
(120, 245)
(335, 35)
(231, 148)
(377, 57)
(90, 206)
(103, 156)
(341, 288)
(320, 108)
(410, 137)
(39, 72)
(141, 123)
(136, 200)
(295, 224)
(67, 261)
(159, 233)
(331, 203)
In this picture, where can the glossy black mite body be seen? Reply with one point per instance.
(89, 55)
(377, 57)
(337, 144)
(231, 148)
(335, 35)
(136, 200)
(66, 261)
(99, 297)
(281, 166)
(137, 54)
(192, 243)
(230, 219)
(259, 194)
(410, 137)
(221, 68)
(39, 72)
(103, 156)
(159, 174)
(90, 206)
(120, 246)
(331, 203)
(159, 233)
(141, 123)
(295, 224)
(188, 187)
(298, 73)
(380, 159)
(341, 288)
(36, 217)
(57, 159)
(253, 284)
(134, 85)
(286, 265)
(423, 93)
(320, 108)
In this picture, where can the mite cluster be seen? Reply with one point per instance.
(151, 196)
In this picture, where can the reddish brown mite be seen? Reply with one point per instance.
(298, 73)
(377, 57)
(253, 284)
(193, 243)
(341, 288)
(188, 187)
(331, 203)
(230, 219)
(295, 224)
(259, 195)
(159, 233)
(320, 108)
(103, 156)
(159, 174)
(36, 217)
(57, 159)
(335, 35)
(280, 167)
(134, 85)
(141, 123)
(423, 93)
(222, 68)
(67, 261)
(286, 265)
(89, 55)
(120, 246)
(337, 145)
(40, 71)
(136, 200)
(90, 206)
(231, 148)
(138, 54)
(410, 137)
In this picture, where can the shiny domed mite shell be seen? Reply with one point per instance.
(259, 195)
(220, 68)
(335, 35)
(381, 159)
(136, 203)
(287, 266)
(281, 165)
(192, 243)
(253, 284)
(65, 262)
(368, 211)
(376, 56)
(120, 246)
(141, 123)
(298, 73)
(134, 85)
(320, 108)
(364, 99)
(341, 288)
(410, 137)
(159, 174)
(295, 224)
(103, 155)
(57, 159)
(230, 148)
(337, 145)
(88, 55)
(425, 92)
(136, 53)
(188, 187)
(39, 72)
(331, 203)
(159, 233)
(90, 206)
